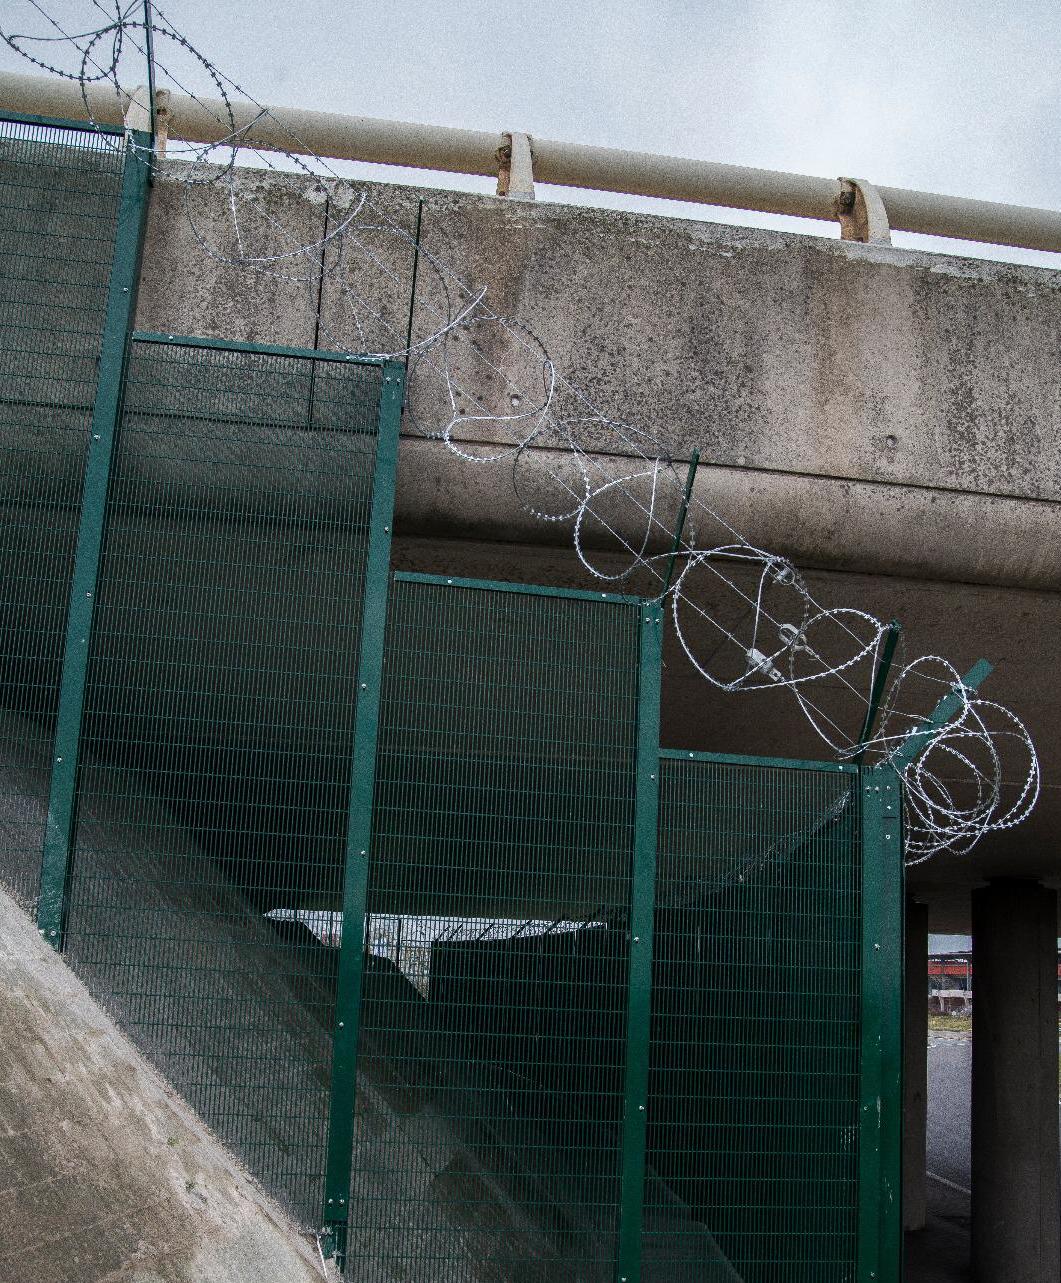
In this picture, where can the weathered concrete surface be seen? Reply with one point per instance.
(105, 1174)
(818, 522)
(768, 350)
(784, 352)
(271, 302)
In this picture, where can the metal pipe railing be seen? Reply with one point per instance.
(471, 151)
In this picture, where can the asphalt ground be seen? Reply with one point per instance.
(940, 1252)
(950, 1058)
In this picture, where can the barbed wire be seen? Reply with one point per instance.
(485, 386)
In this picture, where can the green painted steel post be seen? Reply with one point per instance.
(880, 678)
(642, 911)
(121, 302)
(880, 1073)
(359, 825)
(683, 512)
(149, 45)
(921, 739)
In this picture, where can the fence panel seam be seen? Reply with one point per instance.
(642, 914)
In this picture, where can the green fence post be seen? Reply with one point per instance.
(121, 303)
(359, 826)
(920, 739)
(880, 678)
(880, 1087)
(642, 910)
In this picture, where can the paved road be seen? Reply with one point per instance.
(949, 1064)
(940, 1252)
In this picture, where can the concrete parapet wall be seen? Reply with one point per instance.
(902, 404)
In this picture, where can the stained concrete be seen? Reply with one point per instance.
(766, 350)
(106, 1174)
(190, 238)
(781, 352)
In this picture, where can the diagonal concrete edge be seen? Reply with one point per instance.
(104, 1173)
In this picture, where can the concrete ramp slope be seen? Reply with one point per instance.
(104, 1173)
(273, 998)
(231, 1016)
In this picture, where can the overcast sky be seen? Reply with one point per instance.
(954, 97)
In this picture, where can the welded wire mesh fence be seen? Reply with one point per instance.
(583, 1047)
(755, 1089)
(216, 745)
(494, 1017)
(60, 189)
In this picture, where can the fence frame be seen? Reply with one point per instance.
(879, 1168)
(359, 815)
(880, 1232)
(61, 819)
(642, 920)
(61, 122)
(879, 1235)
(642, 910)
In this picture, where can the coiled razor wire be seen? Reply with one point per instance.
(744, 616)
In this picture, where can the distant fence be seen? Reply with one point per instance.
(950, 983)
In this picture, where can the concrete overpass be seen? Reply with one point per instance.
(889, 420)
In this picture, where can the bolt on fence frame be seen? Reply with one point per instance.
(881, 1057)
(879, 1205)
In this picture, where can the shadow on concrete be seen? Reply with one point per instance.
(940, 1252)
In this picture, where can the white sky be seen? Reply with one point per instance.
(942, 95)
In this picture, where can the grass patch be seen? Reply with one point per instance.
(951, 1024)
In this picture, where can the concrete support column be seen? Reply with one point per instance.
(1015, 1216)
(915, 1065)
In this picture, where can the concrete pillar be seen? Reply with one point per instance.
(915, 1065)
(1015, 1216)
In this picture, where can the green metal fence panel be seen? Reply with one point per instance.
(218, 733)
(61, 188)
(880, 1117)
(492, 1039)
(760, 995)
(359, 824)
